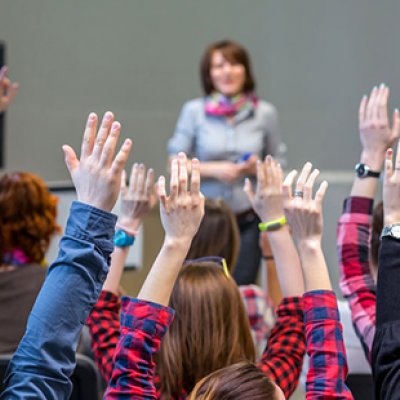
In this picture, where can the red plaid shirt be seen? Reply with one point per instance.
(328, 364)
(356, 283)
(282, 359)
(143, 325)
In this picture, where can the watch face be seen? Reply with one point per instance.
(361, 170)
(396, 231)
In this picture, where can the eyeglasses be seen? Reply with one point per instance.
(218, 260)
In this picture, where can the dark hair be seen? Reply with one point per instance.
(377, 226)
(242, 381)
(210, 331)
(28, 215)
(218, 234)
(232, 52)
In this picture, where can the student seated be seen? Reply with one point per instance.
(45, 358)
(146, 319)
(27, 224)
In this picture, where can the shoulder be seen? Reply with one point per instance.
(265, 108)
(194, 105)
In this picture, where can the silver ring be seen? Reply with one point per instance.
(298, 193)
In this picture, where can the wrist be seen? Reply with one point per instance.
(129, 225)
(174, 243)
(391, 219)
(309, 245)
(373, 158)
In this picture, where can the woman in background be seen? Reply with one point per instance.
(27, 223)
(228, 130)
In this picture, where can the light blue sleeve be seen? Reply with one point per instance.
(185, 131)
(45, 359)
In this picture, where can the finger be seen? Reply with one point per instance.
(123, 182)
(88, 136)
(141, 180)
(319, 196)
(397, 163)
(3, 73)
(261, 178)
(12, 91)
(183, 176)
(362, 111)
(371, 103)
(121, 157)
(161, 192)
(133, 179)
(308, 187)
(150, 183)
(396, 124)
(248, 189)
(279, 174)
(268, 170)
(383, 109)
(195, 179)
(102, 135)
(287, 185)
(110, 145)
(305, 172)
(71, 160)
(389, 164)
(381, 103)
(174, 180)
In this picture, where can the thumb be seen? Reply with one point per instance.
(396, 124)
(71, 161)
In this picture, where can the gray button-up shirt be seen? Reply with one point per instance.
(211, 138)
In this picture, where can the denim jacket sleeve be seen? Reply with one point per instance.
(45, 358)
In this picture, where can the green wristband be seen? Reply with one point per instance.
(272, 225)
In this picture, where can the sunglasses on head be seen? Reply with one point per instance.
(218, 260)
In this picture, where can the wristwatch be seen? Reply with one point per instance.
(123, 239)
(363, 171)
(391, 230)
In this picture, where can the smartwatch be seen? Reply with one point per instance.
(123, 239)
(392, 231)
(363, 171)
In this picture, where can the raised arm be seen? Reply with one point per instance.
(386, 346)
(45, 358)
(8, 90)
(283, 357)
(328, 365)
(145, 320)
(136, 202)
(354, 227)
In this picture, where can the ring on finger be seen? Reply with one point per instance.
(298, 193)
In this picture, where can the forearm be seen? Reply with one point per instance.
(287, 262)
(160, 281)
(315, 271)
(366, 187)
(45, 358)
(118, 259)
(208, 169)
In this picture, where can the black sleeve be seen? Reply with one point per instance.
(386, 346)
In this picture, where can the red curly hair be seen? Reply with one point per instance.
(28, 213)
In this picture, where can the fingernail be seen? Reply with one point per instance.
(127, 142)
(382, 85)
(396, 110)
(116, 126)
(108, 115)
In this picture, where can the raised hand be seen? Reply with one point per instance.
(97, 175)
(376, 134)
(182, 211)
(391, 188)
(138, 199)
(267, 200)
(303, 212)
(8, 90)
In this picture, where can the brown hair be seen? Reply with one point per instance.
(242, 381)
(377, 226)
(28, 215)
(218, 234)
(210, 331)
(234, 53)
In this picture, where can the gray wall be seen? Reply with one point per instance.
(312, 59)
